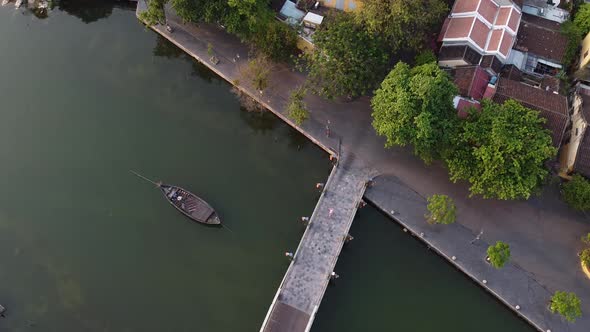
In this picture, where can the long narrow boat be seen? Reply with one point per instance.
(186, 202)
(190, 204)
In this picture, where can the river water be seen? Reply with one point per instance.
(87, 94)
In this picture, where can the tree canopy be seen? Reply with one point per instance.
(566, 304)
(501, 151)
(403, 23)
(251, 20)
(154, 13)
(582, 18)
(499, 254)
(347, 60)
(575, 31)
(296, 107)
(442, 210)
(415, 106)
(576, 193)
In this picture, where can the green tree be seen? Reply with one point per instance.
(424, 57)
(278, 41)
(586, 239)
(190, 10)
(585, 257)
(346, 61)
(499, 254)
(501, 151)
(403, 23)
(442, 210)
(296, 107)
(248, 18)
(257, 72)
(574, 37)
(251, 20)
(155, 13)
(566, 304)
(582, 18)
(415, 106)
(576, 193)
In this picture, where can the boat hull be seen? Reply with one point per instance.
(190, 205)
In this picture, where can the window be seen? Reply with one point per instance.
(471, 56)
(544, 69)
(585, 54)
(576, 131)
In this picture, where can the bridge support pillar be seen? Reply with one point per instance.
(348, 238)
(289, 255)
(334, 276)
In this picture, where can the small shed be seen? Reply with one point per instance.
(312, 20)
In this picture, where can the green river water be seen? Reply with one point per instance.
(88, 94)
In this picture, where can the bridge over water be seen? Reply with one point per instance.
(301, 291)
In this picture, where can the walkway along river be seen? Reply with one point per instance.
(513, 285)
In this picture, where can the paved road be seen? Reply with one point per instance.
(542, 231)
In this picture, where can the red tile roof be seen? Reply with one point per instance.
(507, 43)
(479, 33)
(514, 19)
(466, 22)
(459, 27)
(471, 81)
(496, 37)
(465, 6)
(463, 105)
(540, 41)
(541, 22)
(488, 9)
(551, 106)
(503, 15)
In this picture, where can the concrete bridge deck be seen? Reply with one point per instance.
(302, 289)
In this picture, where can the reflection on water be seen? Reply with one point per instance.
(86, 10)
(166, 49)
(260, 122)
(87, 247)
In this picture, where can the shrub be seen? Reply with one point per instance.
(424, 57)
(576, 193)
(566, 304)
(499, 254)
(442, 210)
(297, 108)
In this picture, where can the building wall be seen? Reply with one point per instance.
(517, 58)
(577, 133)
(585, 54)
(346, 5)
(305, 45)
(452, 63)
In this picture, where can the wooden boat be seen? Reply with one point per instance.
(190, 205)
(186, 202)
